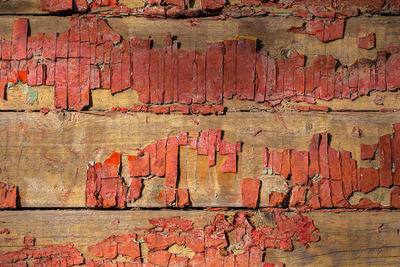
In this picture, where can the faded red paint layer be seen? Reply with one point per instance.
(74, 56)
(106, 188)
(66, 255)
(209, 243)
(331, 176)
(8, 196)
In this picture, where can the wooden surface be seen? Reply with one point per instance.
(347, 239)
(47, 155)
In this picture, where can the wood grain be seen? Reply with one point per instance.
(347, 239)
(47, 155)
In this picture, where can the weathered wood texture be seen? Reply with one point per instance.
(271, 31)
(347, 239)
(47, 155)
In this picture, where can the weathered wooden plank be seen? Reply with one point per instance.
(47, 155)
(274, 40)
(356, 238)
(272, 31)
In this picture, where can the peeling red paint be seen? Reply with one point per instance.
(335, 175)
(367, 42)
(66, 255)
(250, 189)
(8, 196)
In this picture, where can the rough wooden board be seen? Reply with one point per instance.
(102, 100)
(347, 239)
(47, 155)
(272, 31)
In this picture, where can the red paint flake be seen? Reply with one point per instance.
(105, 33)
(214, 72)
(172, 224)
(160, 158)
(229, 69)
(298, 196)
(395, 197)
(366, 203)
(214, 139)
(369, 179)
(111, 166)
(186, 76)
(94, 80)
(368, 151)
(56, 5)
(213, 258)
(93, 184)
(229, 164)
(183, 197)
(52, 255)
(29, 241)
(349, 172)
(8, 196)
(6, 50)
(84, 83)
(335, 172)
(367, 42)
(50, 68)
(212, 4)
(139, 165)
(276, 199)
(325, 193)
(200, 77)
(171, 168)
(32, 71)
(135, 188)
(242, 259)
(314, 155)
(380, 69)
(168, 74)
(183, 139)
(285, 163)
(250, 188)
(396, 154)
(178, 261)
(323, 155)
(62, 45)
(105, 77)
(245, 71)
(299, 164)
(338, 199)
(385, 161)
(261, 76)
(195, 240)
(202, 143)
(80, 5)
(276, 157)
(85, 50)
(116, 70)
(106, 248)
(392, 77)
(128, 246)
(157, 240)
(74, 95)
(19, 39)
(140, 50)
(215, 238)
(156, 76)
(227, 148)
(198, 260)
